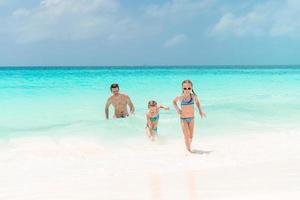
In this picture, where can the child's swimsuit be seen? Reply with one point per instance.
(187, 103)
(154, 119)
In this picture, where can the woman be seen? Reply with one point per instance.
(186, 111)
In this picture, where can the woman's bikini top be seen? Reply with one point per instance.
(187, 103)
(155, 118)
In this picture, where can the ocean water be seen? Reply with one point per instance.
(70, 100)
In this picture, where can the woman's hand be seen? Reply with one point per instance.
(202, 114)
(179, 112)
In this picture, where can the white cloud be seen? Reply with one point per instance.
(177, 8)
(175, 41)
(272, 18)
(104, 20)
(70, 20)
(21, 12)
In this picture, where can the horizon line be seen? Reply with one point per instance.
(147, 66)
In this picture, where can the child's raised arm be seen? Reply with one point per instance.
(164, 107)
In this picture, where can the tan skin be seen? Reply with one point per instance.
(187, 111)
(152, 112)
(119, 102)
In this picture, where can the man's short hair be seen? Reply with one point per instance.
(114, 85)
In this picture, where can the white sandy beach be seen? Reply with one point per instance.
(256, 166)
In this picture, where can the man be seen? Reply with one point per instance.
(119, 102)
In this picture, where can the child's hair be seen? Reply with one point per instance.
(190, 82)
(152, 103)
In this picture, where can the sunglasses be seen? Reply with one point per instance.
(187, 88)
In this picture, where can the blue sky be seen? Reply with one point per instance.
(144, 32)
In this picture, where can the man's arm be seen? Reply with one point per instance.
(130, 105)
(108, 102)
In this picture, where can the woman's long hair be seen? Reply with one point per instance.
(190, 82)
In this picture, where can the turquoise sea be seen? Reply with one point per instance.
(57, 101)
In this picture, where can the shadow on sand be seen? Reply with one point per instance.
(200, 152)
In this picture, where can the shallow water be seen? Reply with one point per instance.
(70, 101)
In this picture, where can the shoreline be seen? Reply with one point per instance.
(235, 167)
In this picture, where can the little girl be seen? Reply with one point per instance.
(152, 119)
(186, 113)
